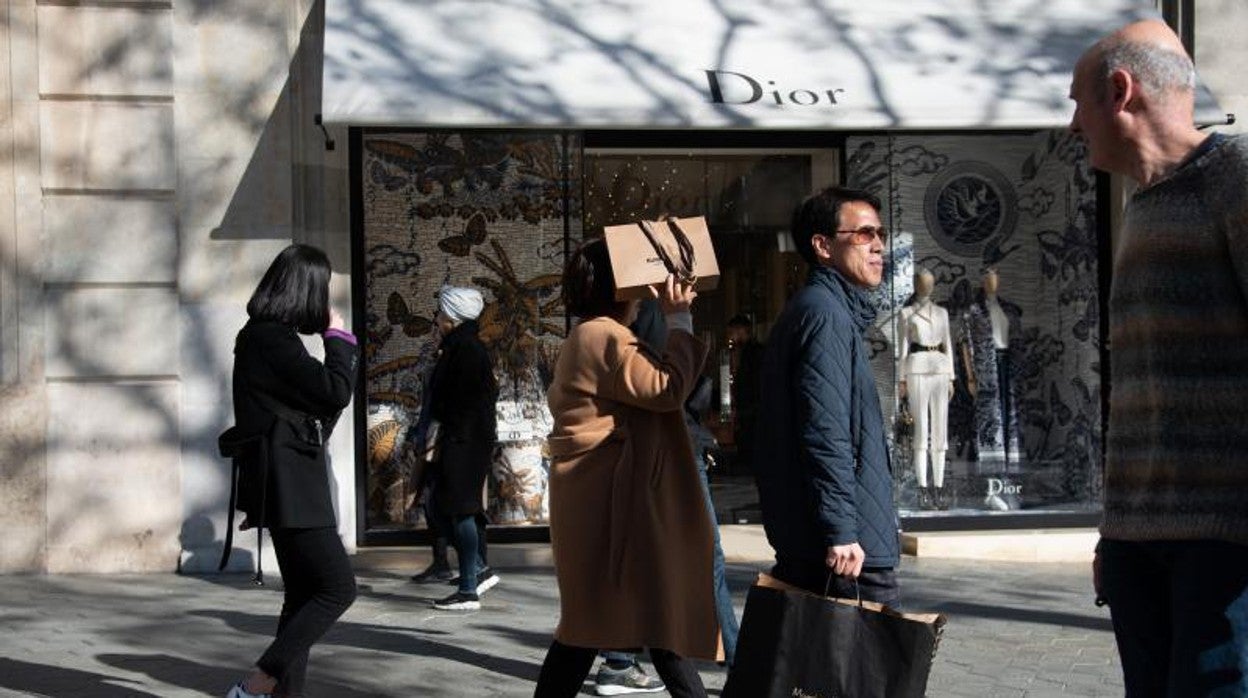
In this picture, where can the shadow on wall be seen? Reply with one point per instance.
(280, 195)
(202, 549)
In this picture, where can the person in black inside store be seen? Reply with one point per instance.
(745, 360)
(291, 401)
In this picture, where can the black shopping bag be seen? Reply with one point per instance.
(794, 644)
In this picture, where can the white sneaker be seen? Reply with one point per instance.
(486, 580)
(237, 691)
(459, 601)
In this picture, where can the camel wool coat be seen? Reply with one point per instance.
(629, 528)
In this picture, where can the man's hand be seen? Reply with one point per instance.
(846, 560)
(1096, 578)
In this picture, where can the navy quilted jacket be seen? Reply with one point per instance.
(822, 464)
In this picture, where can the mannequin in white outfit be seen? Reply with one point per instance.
(927, 384)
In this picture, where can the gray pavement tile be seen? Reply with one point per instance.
(168, 635)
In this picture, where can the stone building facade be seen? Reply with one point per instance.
(154, 156)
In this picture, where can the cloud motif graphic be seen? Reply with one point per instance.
(917, 160)
(388, 260)
(1037, 202)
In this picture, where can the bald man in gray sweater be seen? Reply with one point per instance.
(1173, 556)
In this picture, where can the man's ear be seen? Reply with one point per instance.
(822, 245)
(1123, 90)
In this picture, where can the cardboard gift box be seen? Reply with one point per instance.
(644, 253)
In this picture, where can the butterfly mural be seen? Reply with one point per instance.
(481, 162)
(474, 234)
(520, 312)
(397, 313)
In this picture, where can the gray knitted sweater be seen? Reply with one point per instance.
(1177, 457)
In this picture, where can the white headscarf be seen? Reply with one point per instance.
(460, 304)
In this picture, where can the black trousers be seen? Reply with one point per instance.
(320, 586)
(566, 668)
(1180, 613)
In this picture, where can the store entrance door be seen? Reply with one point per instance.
(747, 197)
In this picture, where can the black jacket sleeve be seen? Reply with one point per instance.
(319, 388)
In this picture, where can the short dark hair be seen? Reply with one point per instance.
(294, 290)
(820, 213)
(589, 283)
(740, 320)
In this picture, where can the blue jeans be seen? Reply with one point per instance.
(466, 538)
(728, 626)
(1180, 613)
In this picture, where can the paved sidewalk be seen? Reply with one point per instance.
(1015, 629)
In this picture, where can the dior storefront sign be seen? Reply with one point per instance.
(727, 87)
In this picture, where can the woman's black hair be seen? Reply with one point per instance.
(589, 283)
(295, 290)
(820, 214)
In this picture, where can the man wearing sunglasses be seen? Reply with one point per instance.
(821, 461)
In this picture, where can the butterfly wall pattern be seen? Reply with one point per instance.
(493, 211)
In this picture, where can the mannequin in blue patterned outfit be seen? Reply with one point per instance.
(990, 333)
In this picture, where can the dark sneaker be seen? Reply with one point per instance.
(436, 573)
(459, 601)
(486, 580)
(626, 681)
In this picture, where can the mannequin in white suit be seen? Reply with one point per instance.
(927, 384)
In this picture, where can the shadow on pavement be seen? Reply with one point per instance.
(177, 671)
(529, 638)
(44, 680)
(1069, 620)
(211, 680)
(386, 639)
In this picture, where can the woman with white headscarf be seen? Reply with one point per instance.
(461, 401)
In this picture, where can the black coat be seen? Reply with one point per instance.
(821, 461)
(462, 398)
(270, 359)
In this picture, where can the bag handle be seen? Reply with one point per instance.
(827, 587)
(684, 271)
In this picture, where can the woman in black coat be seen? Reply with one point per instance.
(291, 401)
(461, 401)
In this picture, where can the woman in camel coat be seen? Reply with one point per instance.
(628, 524)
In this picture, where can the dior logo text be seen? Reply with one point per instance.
(728, 87)
(999, 486)
(800, 693)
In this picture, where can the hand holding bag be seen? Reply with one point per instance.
(643, 254)
(795, 643)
